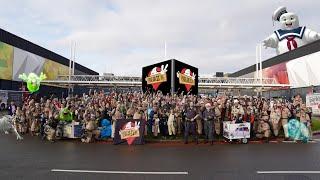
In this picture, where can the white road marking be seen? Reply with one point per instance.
(119, 172)
(288, 172)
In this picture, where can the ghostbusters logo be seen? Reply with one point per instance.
(187, 78)
(130, 131)
(157, 76)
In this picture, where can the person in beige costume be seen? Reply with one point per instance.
(285, 114)
(263, 127)
(275, 116)
(217, 119)
(305, 119)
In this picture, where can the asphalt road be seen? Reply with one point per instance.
(35, 159)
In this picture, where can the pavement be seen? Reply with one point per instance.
(36, 159)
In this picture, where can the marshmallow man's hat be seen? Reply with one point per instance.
(278, 13)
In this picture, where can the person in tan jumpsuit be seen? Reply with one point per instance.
(178, 116)
(217, 119)
(199, 119)
(275, 116)
(285, 114)
(263, 127)
(305, 119)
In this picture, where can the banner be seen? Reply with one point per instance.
(313, 101)
(3, 98)
(157, 77)
(304, 71)
(16, 97)
(53, 69)
(171, 76)
(186, 78)
(236, 131)
(6, 60)
(15, 61)
(278, 72)
(129, 131)
(299, 72)
(26, 62)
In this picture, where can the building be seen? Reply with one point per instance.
(299, 67)
(18, 55)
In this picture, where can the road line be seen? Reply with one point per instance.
(119, 172)
(288, 172)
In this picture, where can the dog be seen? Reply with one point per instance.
(6, 126)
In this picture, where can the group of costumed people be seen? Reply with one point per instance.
(170, 115)
(47, 119)
(165, 115)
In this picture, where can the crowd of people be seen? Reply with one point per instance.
(167, 116)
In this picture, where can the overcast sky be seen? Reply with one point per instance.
(121, 36)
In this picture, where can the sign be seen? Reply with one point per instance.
(72, 130)
(236, 131)
(313, 101)
(171, 76)
(129, 131)
(4, 98)
(156, 77)
(16, 97)
(186, 78)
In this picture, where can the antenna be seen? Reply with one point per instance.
(165, 50)
(70, 61)
(74, 57)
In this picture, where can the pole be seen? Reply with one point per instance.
(70, 64)
(74, 58)
(261, 68)
(257, 68)
(73, 63)
(165, 50)
(257, 64)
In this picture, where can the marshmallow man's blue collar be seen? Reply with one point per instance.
(298, 32)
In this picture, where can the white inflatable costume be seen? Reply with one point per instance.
(6, 126)
(291, 35)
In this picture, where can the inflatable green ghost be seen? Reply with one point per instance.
(65, 115)
(33, 81)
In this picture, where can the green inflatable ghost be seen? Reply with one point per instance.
(65, 115)
(33, 81)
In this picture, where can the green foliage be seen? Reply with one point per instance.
(315, 124)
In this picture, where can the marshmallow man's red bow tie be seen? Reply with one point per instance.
(290, 40)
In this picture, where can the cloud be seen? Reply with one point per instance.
(123, 35)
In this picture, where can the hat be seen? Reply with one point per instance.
(278, 13)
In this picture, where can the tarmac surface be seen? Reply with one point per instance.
(36, 159)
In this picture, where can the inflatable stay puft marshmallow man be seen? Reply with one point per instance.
(291, 35)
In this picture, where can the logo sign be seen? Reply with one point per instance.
(129, 131)
(157, 76)
(313, 101)
(187, 78)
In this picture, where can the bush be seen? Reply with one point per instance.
(316, 124)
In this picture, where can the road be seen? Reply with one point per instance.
(35, 159)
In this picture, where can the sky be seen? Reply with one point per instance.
(122, 36)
